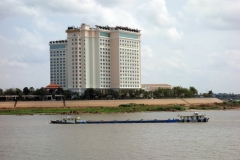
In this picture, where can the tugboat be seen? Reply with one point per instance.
(196, 117)
(67, 120)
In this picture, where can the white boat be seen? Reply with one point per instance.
(195, 117)
(67, 120)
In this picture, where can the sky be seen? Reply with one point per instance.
(184, 42)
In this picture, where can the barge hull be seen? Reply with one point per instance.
(119, 121)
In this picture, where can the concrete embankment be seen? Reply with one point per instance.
(108, 103)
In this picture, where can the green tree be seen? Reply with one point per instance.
(89, 93)
(18, 91)
(32, 90)
(50, 91)
(185, 92)
(167, 93)
(26, 91)
(139, 93)
(1, 91)
(206, 95)
(116, 94)
(53, 94)
(67, 94)
(59, 91)
(98, 94)
(210, 92)
(193, 91)
(145, 94)
(158, 93)
(10, 91)
(177, 91)
(42, 92)
(75, 95)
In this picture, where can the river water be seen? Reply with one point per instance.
(32, 137)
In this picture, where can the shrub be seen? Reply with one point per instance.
(124, 105)
(180, 108)
(130, 105)
(235, 102)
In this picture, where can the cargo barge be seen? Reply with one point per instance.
(183, 118)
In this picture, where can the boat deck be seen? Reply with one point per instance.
(119, 121)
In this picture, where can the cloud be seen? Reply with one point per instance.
(173, 34)
(24, 48)
(5, 63)
(147, 52)
(124, 4)
(44, 24)
(160, 64)
(15, 8)
(107, 16)
(182, 16)
(224, 61)
(103, 12)
(37, 8)
(30, 39)
(11, 72)
(156, 11)
(156, 21)
(215, 13)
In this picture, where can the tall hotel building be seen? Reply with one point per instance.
(102, 57)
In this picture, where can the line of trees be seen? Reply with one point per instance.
(90, 93)
(30, 91)
(175, 92)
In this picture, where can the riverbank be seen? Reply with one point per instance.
(111, 106)
(129, 108)
(107, 103)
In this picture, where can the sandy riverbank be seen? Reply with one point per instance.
(108, 103)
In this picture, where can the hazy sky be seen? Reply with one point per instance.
(184, 42)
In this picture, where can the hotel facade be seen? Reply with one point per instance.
(102, 58)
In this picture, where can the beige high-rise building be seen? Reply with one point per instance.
(102, 57)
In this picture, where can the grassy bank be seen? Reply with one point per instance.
(124, 108)
(93, 110)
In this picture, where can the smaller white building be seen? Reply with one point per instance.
(150, 87)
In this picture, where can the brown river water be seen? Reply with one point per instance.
(33, 137)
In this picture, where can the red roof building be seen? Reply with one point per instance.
(53, 86)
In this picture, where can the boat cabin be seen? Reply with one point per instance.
(69, 119)
(195, 117)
